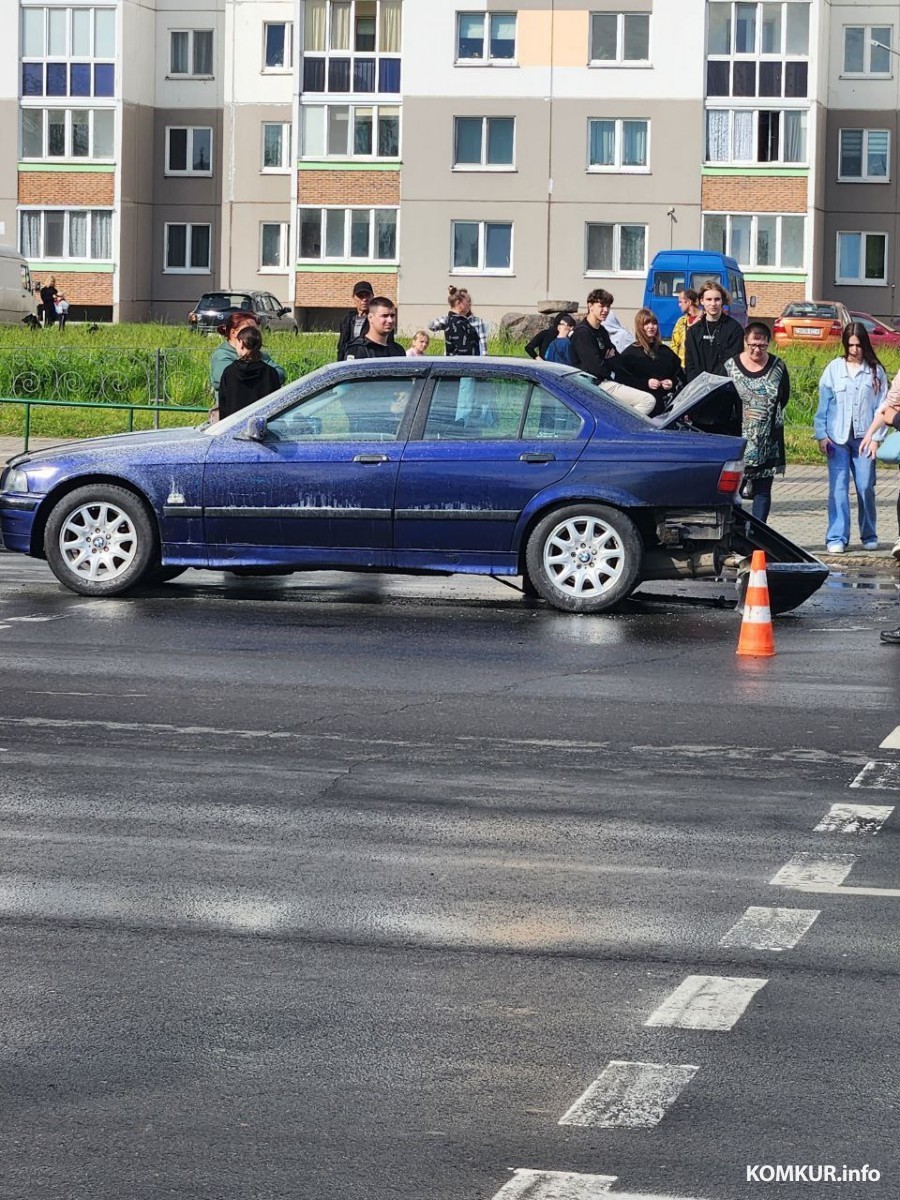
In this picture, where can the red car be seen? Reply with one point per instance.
(881, 334)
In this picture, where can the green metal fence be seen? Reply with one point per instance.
(106, 406)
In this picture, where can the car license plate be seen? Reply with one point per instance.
(808, 333)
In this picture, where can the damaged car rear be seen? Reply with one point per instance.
(491, 466)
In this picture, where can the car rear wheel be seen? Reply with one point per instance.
(584, 558)
(100, 540)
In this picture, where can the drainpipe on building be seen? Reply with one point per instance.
(550, 155)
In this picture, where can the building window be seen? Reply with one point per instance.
(758, 49)
(864, 155)
(352, 46)
(78, 133)
(861, 258)
(867, 49)
(68, 51)
(485, 37)
(484, 142)
(348, 234)
(350, 131)
(746, 135)
(188, 249)
(189, 150)
(484, 247)
(273, 246)
(615, 249)
(618, 145)
(276, 146)
(191, 53)
(278, 45)
(620, 37)
(83, 234)
(757, 240)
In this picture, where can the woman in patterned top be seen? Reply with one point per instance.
(764, 387)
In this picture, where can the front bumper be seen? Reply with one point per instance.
(17, 516)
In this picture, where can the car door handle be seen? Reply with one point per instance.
(537, 458)
(371, 458)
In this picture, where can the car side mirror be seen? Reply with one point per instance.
(255, 429)
(752, 302)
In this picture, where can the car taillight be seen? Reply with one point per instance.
(730, 476)
(837, 327)
(778, 327)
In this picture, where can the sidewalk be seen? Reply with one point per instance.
(799, 501)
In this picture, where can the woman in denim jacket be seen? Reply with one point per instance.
(850, 391)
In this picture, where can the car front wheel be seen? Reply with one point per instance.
(585, 558)
(100, 540)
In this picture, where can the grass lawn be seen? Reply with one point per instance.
(131, 363)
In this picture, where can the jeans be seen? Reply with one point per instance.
(844, 461)
(762, 497)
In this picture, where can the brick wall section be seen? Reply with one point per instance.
(348, 187)
(81, 287)
(332, 289)
(753, 194)
(772, 297)
(68, 188)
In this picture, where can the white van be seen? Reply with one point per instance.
(16, 292)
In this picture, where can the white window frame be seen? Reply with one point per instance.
(617, 271)
(190, 130)
(67, 212)
(69, 58)
(757, 111)
(752, 265)
(617, 168)
(68, 109)
(620, 60)
(486, 59)
(284, 246)
(481, 269)
(326, 53)
(866, 72)
(351, 131)
(190, 226)
(285, 166)
(865, 177)
(864, 235)
(484, 165)
(191, 73)
(288, 65)
(756, 55)
(347, 209)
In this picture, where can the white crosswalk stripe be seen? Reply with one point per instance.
(555, 1185)
(810, 870)
(854, 818)
(707, 1002)
(634, 1095)
(882, 776)
(770, 928)
(892, 741)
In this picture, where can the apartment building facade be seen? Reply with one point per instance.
(528, 151)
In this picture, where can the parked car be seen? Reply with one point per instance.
(489, 466)
(880, 334)
(213, 307)
(16, 287)
(673, 270)
(812, 322)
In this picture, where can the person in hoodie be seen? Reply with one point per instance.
(250, 377)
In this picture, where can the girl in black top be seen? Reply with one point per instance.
(715, 338)
(649, 363)
(249, 378)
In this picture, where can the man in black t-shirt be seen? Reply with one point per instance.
(710, 342)
(378, 340)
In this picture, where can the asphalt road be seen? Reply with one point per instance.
(336, 889)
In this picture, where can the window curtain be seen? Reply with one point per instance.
(795, 137)
(314, 25)
(877, 153)
(30, 235)
(603, 144)
(340, 26)
(634, 143)
(849, 255)
(742, 140)
(389, 37)
(179, 58)
(632, 242)
(851, 153)
(717, 140)
(101, 236)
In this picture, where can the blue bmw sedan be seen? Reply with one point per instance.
(489, 465)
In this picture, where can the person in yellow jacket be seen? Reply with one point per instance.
(689, 303)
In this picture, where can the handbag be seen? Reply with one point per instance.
(889, 450)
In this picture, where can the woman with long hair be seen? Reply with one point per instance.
(763, 384)
(228, 351)
(649, 364)
(851, 390)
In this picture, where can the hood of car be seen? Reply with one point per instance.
(150, 439)
(697, 392)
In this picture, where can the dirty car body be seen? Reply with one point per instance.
(490, 466)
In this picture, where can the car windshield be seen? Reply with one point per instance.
(821, 312)
(223, 300)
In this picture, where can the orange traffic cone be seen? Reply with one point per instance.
(757, 638)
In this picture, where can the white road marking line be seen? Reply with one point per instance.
(892, 741)
(883, 776)
(806, 871)
(707, 1002)
(59, 617)
(633, 1095)
(831, 889)
(770, 928)
(854, 818)
(555, 1185)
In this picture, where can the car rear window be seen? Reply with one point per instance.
(821, 312)
(223, 300)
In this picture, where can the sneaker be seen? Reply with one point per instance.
(835, 547)
(896, 550)
(870, 545)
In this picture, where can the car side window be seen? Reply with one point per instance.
(355, 411)
(548, 417)
(474, 409)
